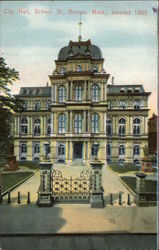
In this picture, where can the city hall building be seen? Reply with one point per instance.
(78, 113)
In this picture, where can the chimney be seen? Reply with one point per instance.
(112, 80)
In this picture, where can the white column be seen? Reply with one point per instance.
(67, 90)
(101, 94)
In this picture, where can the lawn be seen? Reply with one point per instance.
(9, 180)
(150, 186)
(123, 168)
(29, 164)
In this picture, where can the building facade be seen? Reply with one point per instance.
(80, 113)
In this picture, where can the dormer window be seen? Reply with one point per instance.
(137, 90)
(130, 90)
(122, 90)
(79, 68)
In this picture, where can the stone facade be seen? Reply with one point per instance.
(79, 113)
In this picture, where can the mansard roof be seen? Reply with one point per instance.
(85, 48)
(35, 91)
(136, 89)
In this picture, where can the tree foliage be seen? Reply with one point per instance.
(8, 105)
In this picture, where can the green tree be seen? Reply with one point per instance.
(9, 104)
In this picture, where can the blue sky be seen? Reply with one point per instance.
(31, 42)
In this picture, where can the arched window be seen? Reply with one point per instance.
(23, 148)
(78, 123)
(61, 123)
(109, 126)
(95, 123)
(37, 126)
(24, 126)
(62, 93)
(79, 68)
(122, 125)
(136, 150)
(61, 149)
(95, 69)
(121, 150)
(63, 71)
(136, 126)
(95, 93)
(37, 105)
(49, 126)
(78, 93)
(36, 147)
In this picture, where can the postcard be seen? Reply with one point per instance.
(78, 125)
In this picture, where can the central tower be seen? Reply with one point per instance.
(79, 104)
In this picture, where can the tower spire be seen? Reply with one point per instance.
(80, 24)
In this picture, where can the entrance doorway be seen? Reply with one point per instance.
(77, 150)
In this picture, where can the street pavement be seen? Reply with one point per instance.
(80, 242)
(75, 218)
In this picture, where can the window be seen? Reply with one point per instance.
(36, 126)
(61, 149)
(25, 105)
(95, 93)
(61, 123)
(109, 126)
(63, 71)
(78, 93)
(78, 123)
(122, 104)
(136, 126)
(137, 90)
(122, 125)
(122, 90)
(49, 126)
(62, 93)
(24, 126)
(109, 105)
(37, 91)
(137, 104)
(121, 150)
(79, 68)
(95, 69)
(36, 148)
(108, 150)
(37, 106)
(23, 147)
(136, 150)
(95, 123)
(48, 103)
